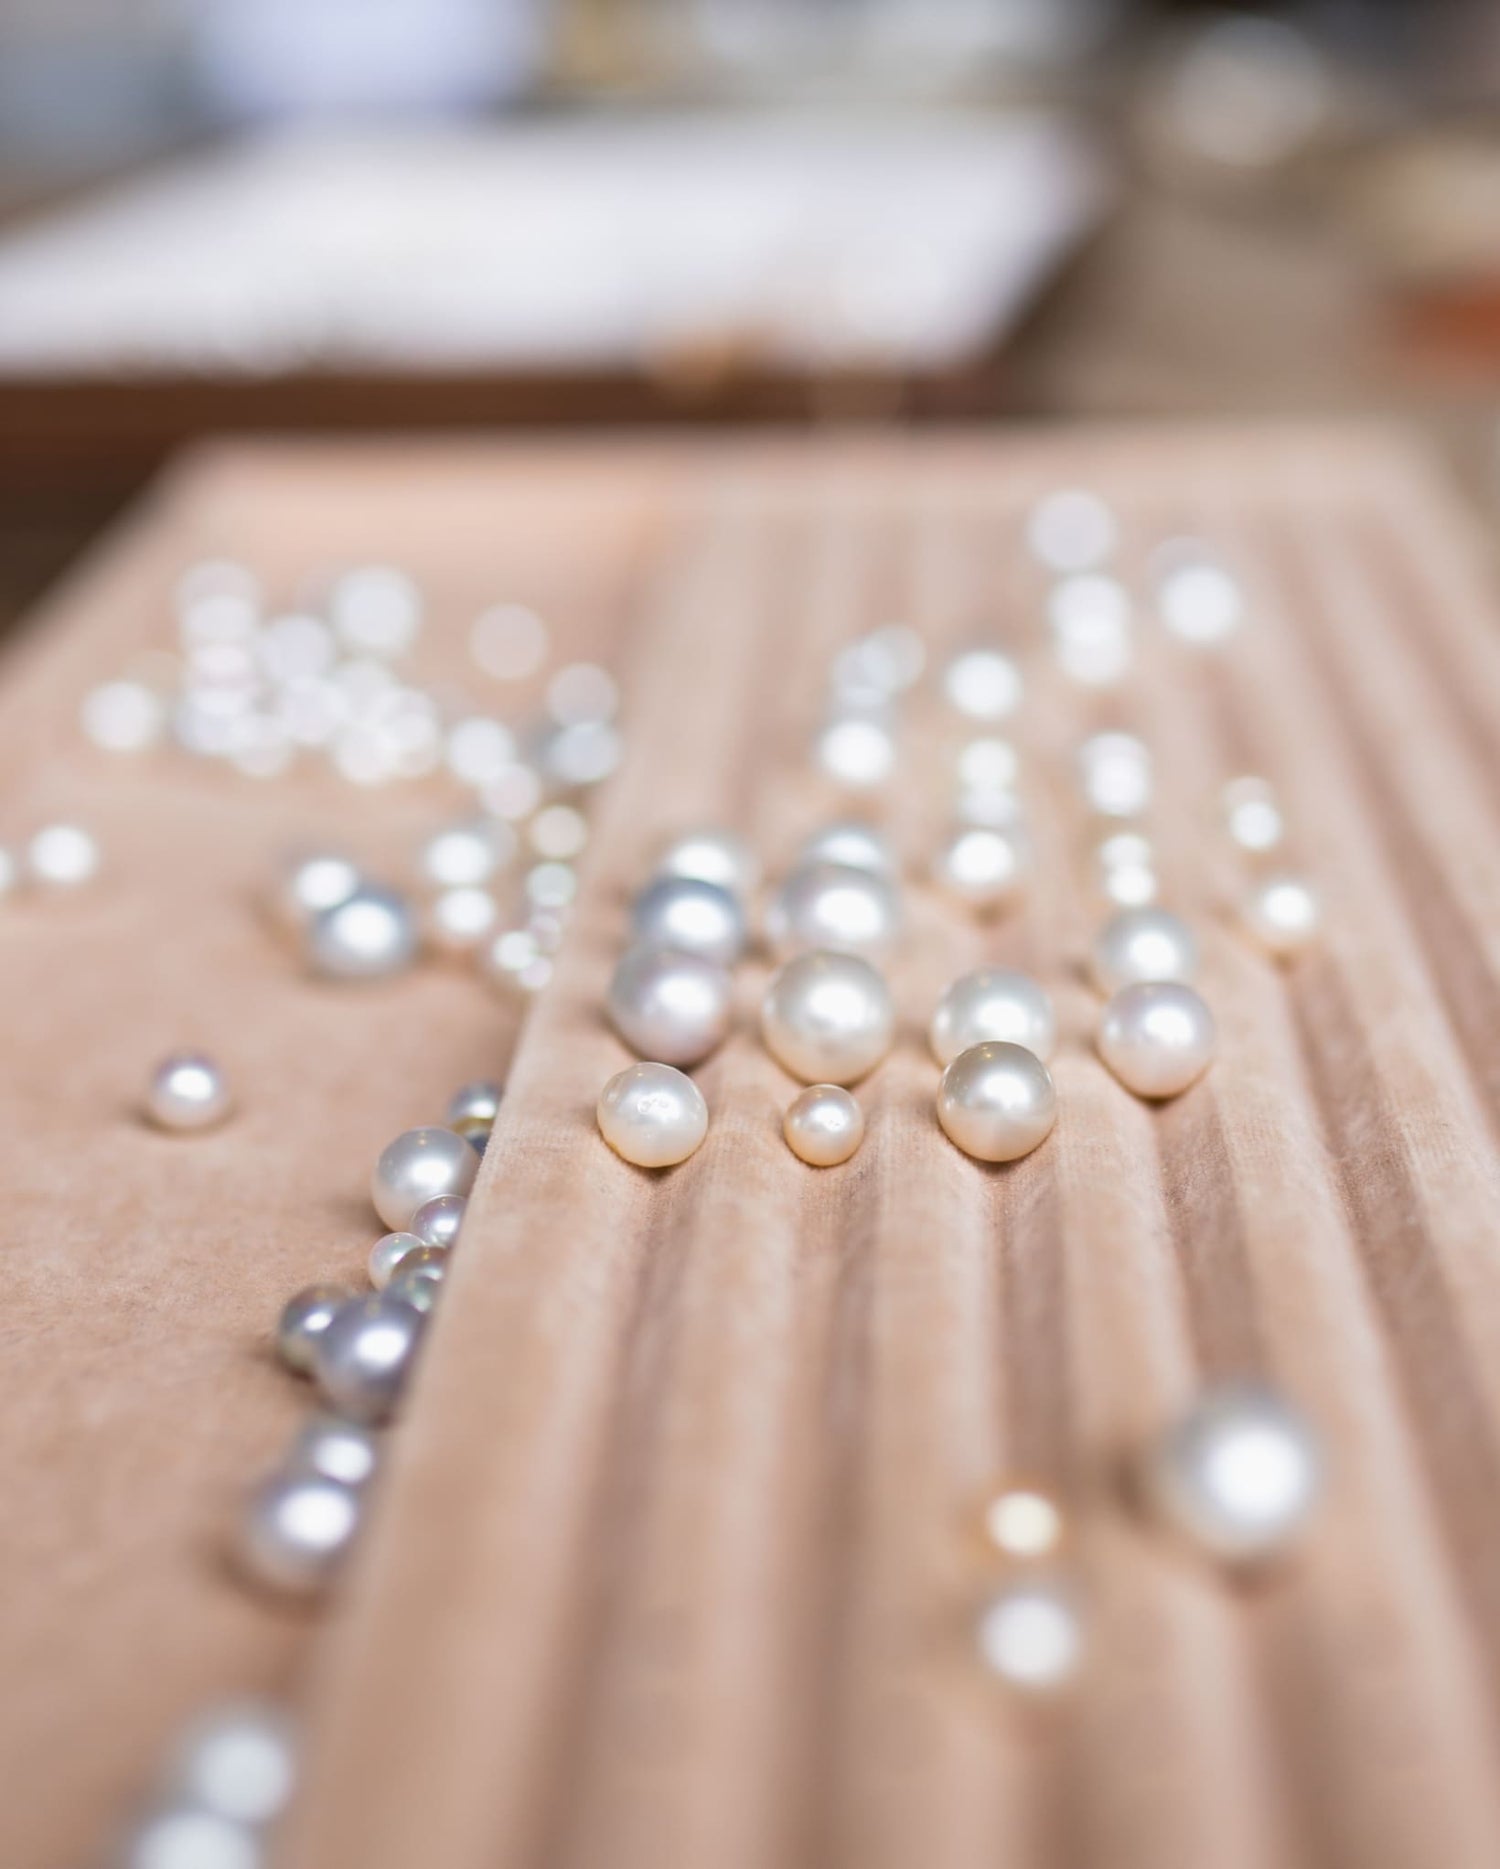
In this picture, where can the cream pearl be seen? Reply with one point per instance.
(691, 917)
(1030, 1634)
(827, 1018)
(993, 1003)
(1283, 913)
(418, 1166)
(1157, 1037)
(652, 1115)
(824, 1125)
(836, 908)
(855, 845)
(1143, 944)
(369, 935)
(712, 856)
(188, 1091)
(982, 866)
(997, 1102)
(387, 1253)
(670, 1006)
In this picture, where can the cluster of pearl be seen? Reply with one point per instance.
(226, 1784)
(1279, 908)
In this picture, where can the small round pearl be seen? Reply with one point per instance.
(983, 684)
(982, 866)
(361, 1361)
(480, 1101)
(1157, 1037)
(459, 921)
(418, 1166)
(836, 908)
(334, 1450)
(1022, 1523)
(418, 1278)
(187, 1091)
(297, 1529)
(1143, 944)
(369, 935)
(238, 1762)
(652, 1115)
(192, 1839)
(63, 856)
(692, 917)
(1283, 913)
(824, 1125)
(462, 856)
(997, 1102)
(304, 1320)
(1030, 1635)
(439, 1221)
(311, 882)
(712, 856)
(1239, 1475)
(387, 1253)
(827, 1018)
(855, 845)
(993, 1003)
(670, 1006)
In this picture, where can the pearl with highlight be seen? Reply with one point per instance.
(363, 1358)
(712, 856)
(387, 1253)
(856, 845)
(996, 1004)
(652, 1115)
(997, 1102)
(297, 1531)
(371, 934)
(1283, 913)
(824, 1125)
(670, 1006)
(828, 1018)
(1157, 1037)
(188, 1091)
(1143, 944)
(418, 1166)
(982, 866)
(835, 907)
(304, 1319)
(439, 1222)
(691, 917)
(1030, 1635)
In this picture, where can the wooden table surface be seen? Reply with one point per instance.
(670, 1563)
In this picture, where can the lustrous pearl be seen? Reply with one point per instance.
(335, 1450)
(982, 866)
(1023, 1524)
(712, 856)
(1239, 1475)
(371, 934)
(362, 1360)
(479, 1100)
(439, 1221)
(824, 1125)
(186, 1838)
(187, 1091)
(387, 1253)
(239, 1762)
(311, 882)
(418, 1166)
(836, 908)
(304, 1320)
(463, 856)
(855, 845)
(827, 1018)
(459, 921)
(652, 1115)
(1157, 1037)
(692, 917)
(1143, 944)
(63, 856)
(1283, 913)
(1030, 1635)
(419, 1278)
(296, 1530)
(670, 1006)
(1252, 814)
(983, 684)
(993, 1003)
(996, 1101)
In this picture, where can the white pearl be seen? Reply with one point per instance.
(63, 856)
(477, 1102)
(983, 868)
(652, 1115)
(192, 1839)
(458, 921)
(692, 917)
(856, 751)
(1283, 913)
(439, 1222)
(712, 856)
(363, 1358)
(1157, 1037)
(827, 1018)
(824, 1125)
(310, 882)
(993, 1003)
(997, 1102)
(1143, 944)
(188, 1091)
(418, 1166)
(983, 684)
(836, 908)
(371, 934)
(462, 856)
(1030, 1635)
(857, 846)
(239, 1762)
(387, 1253)
(296, 1530)
(669, 1006)
(1071, 530)
(1252, 814)
(335, 1449)
(1239, 1475)
(1114, 770)
(124, 716)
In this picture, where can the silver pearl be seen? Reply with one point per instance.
(418, 1166)
(370, 935)
(835, 908)
(419, 1278)
(856, 845)
(997, 1102)
(387, 1253)
(1157, 1037)
(827, 1018)
(364, 1356)
(238, 1762)
(670, 1006)
(712, 856)
(997, 1004)
(333, 1449)
(296, 1532)
(191, 1839)
(1030, 1634)
(1143, 944)
(692, 917)
(304, 1320)
(480, 1101)
(437, 1222)
(188, 1091)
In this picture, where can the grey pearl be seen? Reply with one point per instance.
(437, 1222)
(304, 1320)
(363, 1357)
(670, 1007)
(419, 1278)
(372, 934)
(330, 1448)
(478, 1101)
(296, 1532)
(692, 917)
(182, 1836)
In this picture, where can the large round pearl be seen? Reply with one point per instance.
(439, 1221)
(997, 1102)
(692, 917)
(993, 1003)
(855, 845)
(827, 1018)
(188, 1091)
(834, 907)
(305, 1318)
(387, 1253)
(982, 866)
(712, 856)
(824, 1125)
(362, 1360)
(478, 1101)
(296, 1530)
(670, 1006)
(239, 1762)
(1239, 1475)
(1157, 1037)
(369, 935)
(1283, 913)
(418, 1166)
(334, 1449)
(1143, 944)
(1030, 1635)
(652, 1115)
(419, 1278)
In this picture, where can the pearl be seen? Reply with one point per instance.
(438, 1222)
(983, 684)
(854, 845)
(187, 1091)
(369, 935)
(362, 1360)
(475, 1131)
(670, 1006)
(558, 833)
(836, 908)
(712, 856)
(238, 1762)
(997, 1102)
(387, 1253)
(1030, 1635)
(124, 716)
(63, 856)
(480, 1101)
(1022, 1523)
(823, 1126)
(982, 867)
(1071, 530)
(309, 883)
(1239, 1475)
(335, 1450)
(1143, 944)
(827, 1018)
(418, 1166)
(303, 1321)
(692, 917)
(509, 642)
(1252, 814)
(993, 1003)
(192, 1839)
(856, 751)
(461, 856)
(418, 1278)
(458, 921)
(1157, 1037)
(652, 1115)
(296, 1530)
(1114, 770)
(1283, 913)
